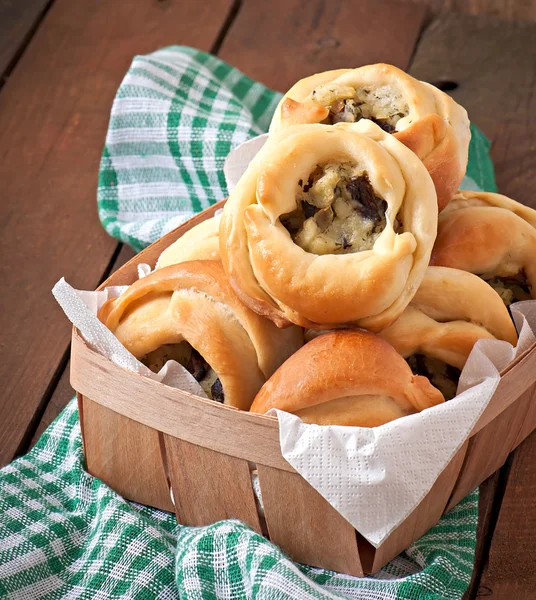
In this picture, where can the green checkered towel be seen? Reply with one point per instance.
(63, 533)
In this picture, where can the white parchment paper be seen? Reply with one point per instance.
(81, 308)
(375, 477)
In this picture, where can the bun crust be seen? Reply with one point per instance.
(347, 377)
(450, 312)
(487, 234)
(193, 302)
(280, 280)
(199, 243)
(435, 127)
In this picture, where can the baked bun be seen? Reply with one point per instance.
(330, 226)
(450, 312)
(188, 312)
(346, 378)
(421, 116)
(199, 243)
(492, 236)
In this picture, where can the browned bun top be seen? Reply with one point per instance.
(346, 364)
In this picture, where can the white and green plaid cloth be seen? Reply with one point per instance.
(63, 533)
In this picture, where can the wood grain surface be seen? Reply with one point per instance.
(63, 391)
(281, 41)
(510, 571)
(305, 524)
(209, 486)
(491, 63)
(18, 21)
(513, 10)
(53, 116)
(125, 454)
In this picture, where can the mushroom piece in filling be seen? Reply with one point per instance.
(441, 375)
(511, 289)
(192, 361)
(384, 105)
(338, 211)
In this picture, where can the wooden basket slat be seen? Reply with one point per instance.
(426, 515)
(515, 379)
(490, 447)
(209, 486)
(305, 525)
(125, 455)
(224, 429)
(529, 422)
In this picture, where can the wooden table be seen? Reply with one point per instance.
(60, 64)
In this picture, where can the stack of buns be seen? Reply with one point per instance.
(347, 279)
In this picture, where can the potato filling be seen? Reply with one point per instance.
(510, 289)
(441, 375)
(384, 105)
(337, 211)
(192, 361)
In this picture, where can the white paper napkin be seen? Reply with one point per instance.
(238, 159)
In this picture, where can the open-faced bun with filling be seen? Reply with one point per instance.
(450, 312)
(330, 226)
(421, 116)
(347, 378)
(492, 236)
(199, 243)
(188, 312)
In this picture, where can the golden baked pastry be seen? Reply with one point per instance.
(199, 243)
(492, 236)
(450, 312)
(189, 313)
(330, 226)
(346, 378)
(421, 116)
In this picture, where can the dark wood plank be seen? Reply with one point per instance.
(510, 572)
(18, 20)
(58, 401)
(53, 117)
(495, 71)
(513, 10)
(63, 391)
(282, 41)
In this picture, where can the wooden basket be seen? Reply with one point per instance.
(142, 437)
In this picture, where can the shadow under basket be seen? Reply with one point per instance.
(143, 438)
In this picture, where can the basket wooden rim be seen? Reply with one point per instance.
(250, 436)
